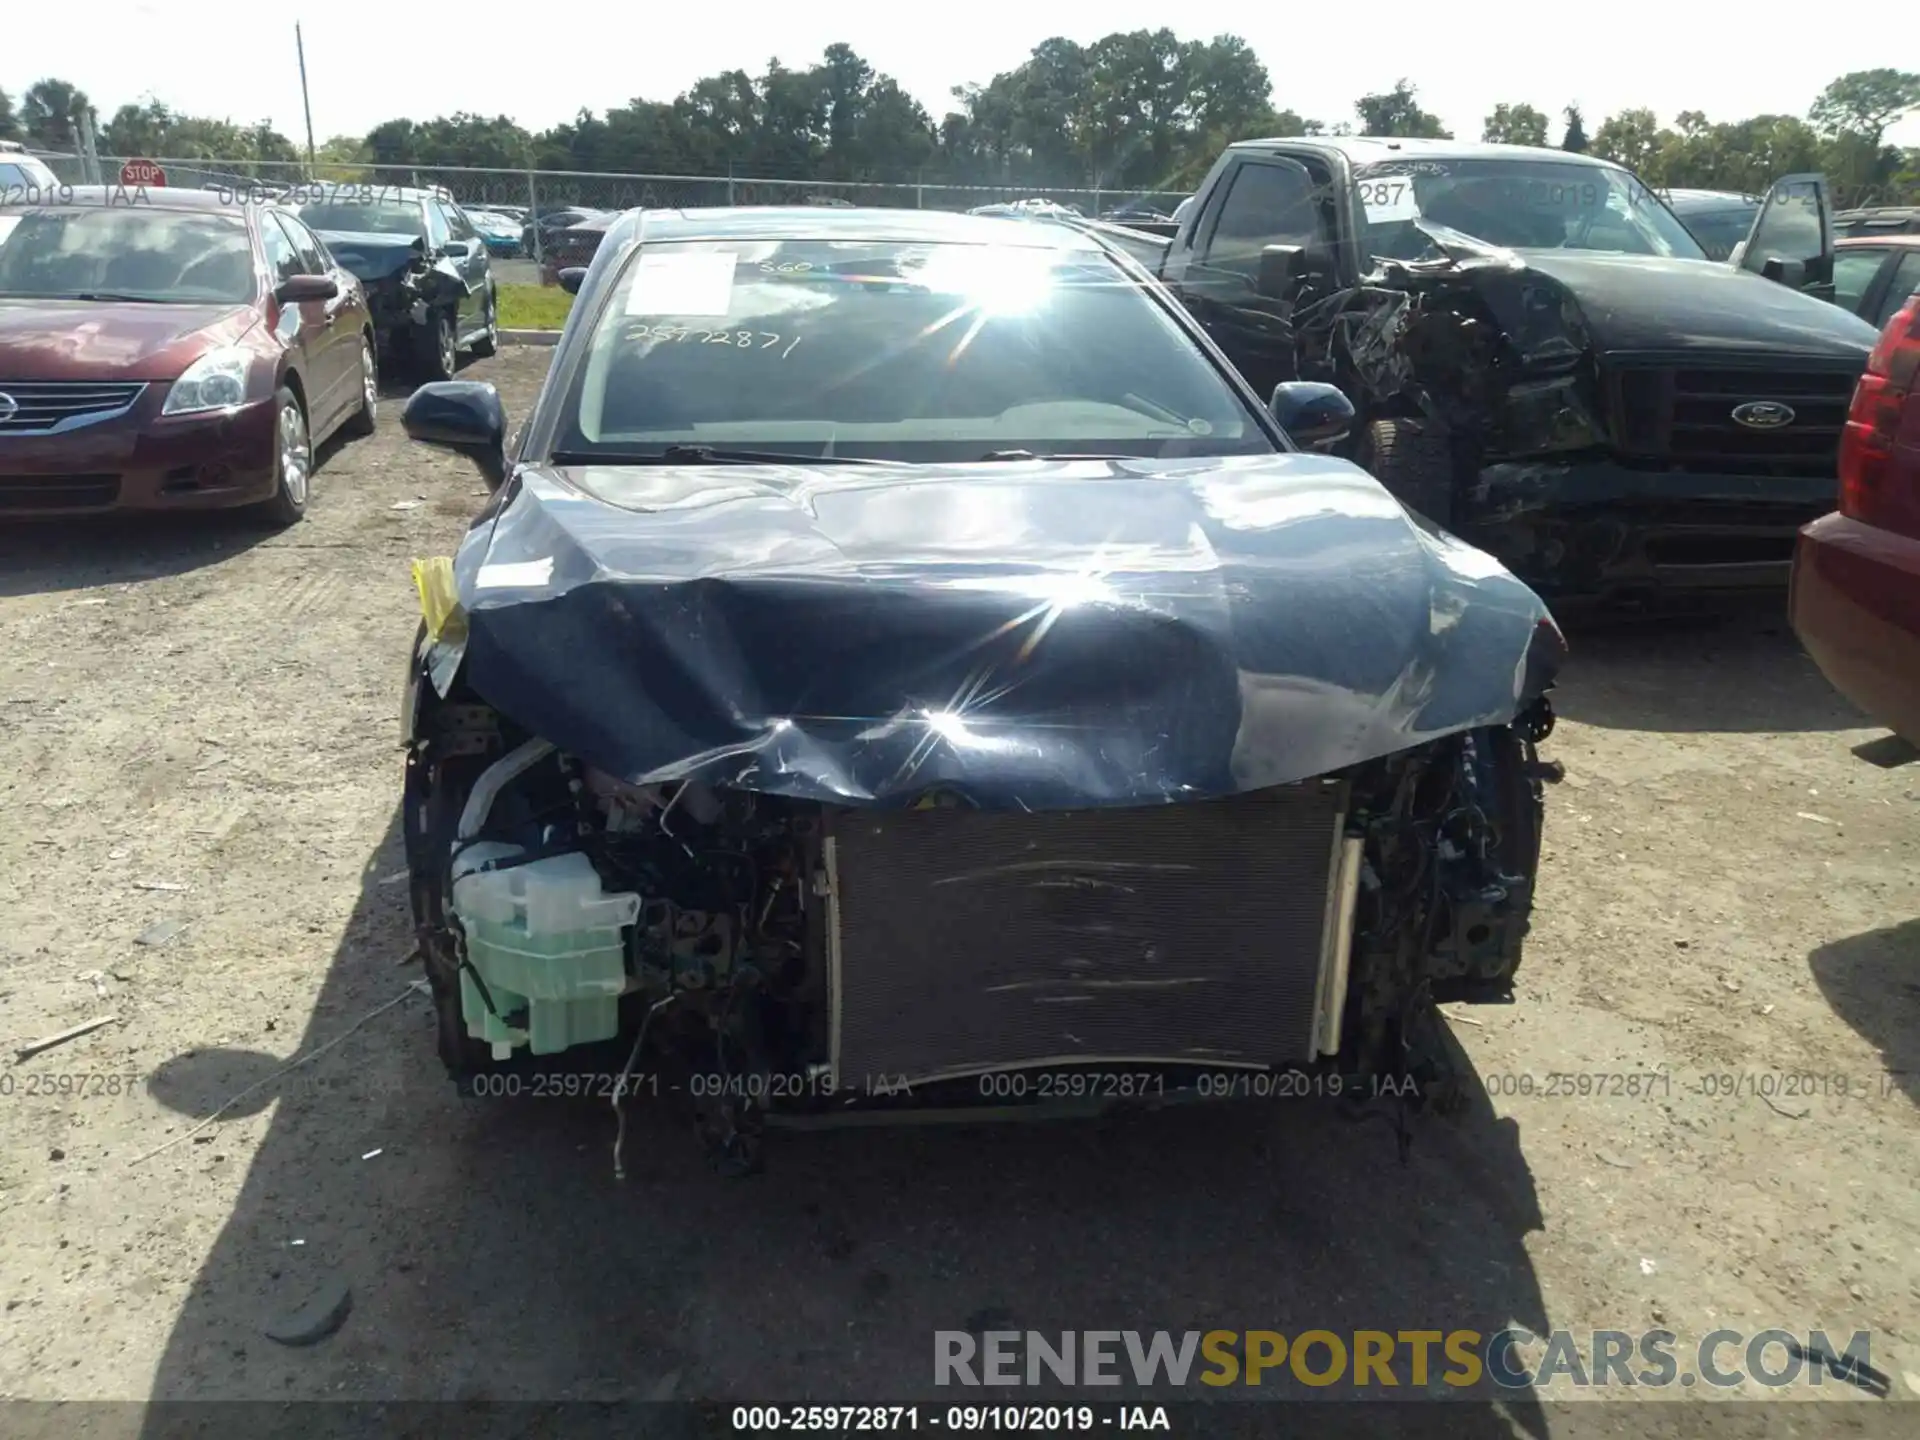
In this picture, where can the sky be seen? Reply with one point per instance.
(232, 59)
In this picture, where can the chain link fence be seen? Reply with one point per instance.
(547, 190)
(527, 193)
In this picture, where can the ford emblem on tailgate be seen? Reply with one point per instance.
(1763, 414)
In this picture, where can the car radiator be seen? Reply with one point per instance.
(964, 941)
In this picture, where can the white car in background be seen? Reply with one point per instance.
(23, 176)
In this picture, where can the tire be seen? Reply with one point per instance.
(363, 420)
(489, 342)
(1415, 464)
(436, 353)
(292, 462)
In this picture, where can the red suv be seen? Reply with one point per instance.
(171, 350)
(1856, 573)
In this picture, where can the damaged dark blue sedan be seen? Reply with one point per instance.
(903, 668)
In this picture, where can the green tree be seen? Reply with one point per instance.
(50, 113)
(342, 159)
(1575, 137)
(1865, 103)
(1139, 110)
(392, 143)
(1397, 112)
(1519, 124)
(138, 130)
(1633, 138)
(9, 118)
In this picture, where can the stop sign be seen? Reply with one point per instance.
(142, 172)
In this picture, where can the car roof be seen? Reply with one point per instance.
(144, 197)
(1879, 222)
(1710, 199)
(1367, 149)
(387, 192)
(1891, 237)
(823, 222)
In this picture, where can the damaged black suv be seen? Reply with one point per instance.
(1544, 359)
(424, 267)
(903, 668)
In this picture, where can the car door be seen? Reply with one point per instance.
(1904, 284)
(1860, 275)
(1792, 237)
(477, 268)
(304, 329)
(339, 361)
(1259, 200)
(451, 261)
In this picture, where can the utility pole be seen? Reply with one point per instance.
(89, 151)
(300, 48)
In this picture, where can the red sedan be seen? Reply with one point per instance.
(171, 350)
(1856, 573)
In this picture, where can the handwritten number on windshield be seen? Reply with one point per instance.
(738, 339)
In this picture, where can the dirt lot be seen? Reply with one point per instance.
(198, 726)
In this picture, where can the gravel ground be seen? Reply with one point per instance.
(198, 729)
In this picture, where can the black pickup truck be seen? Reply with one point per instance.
(1540, 357)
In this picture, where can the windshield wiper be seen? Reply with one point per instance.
(702, 455)
(119, 296)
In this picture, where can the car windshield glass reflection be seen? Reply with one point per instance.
(1718, 231)
(372, 217)
(126, 253)
(1520, 204)
(917, 352)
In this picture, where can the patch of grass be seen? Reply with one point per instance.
(533, 307)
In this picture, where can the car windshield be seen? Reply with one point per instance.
(21, 176)
(1520, 204)
(893, 350)
(129, 252)
(368, 217)
(1718, 231)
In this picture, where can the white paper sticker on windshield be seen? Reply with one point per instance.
(7, 222)
(1389, 198)
(695, 283)
(518, 575)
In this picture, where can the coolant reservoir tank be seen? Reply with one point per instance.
(548, 944)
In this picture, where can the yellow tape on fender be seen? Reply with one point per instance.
(439, 598)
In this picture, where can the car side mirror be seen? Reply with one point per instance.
(464, 416)
(299, 289)
(571, 277)
(455, 250)
(1282, 267)
(1315, 415)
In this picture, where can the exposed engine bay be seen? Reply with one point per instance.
(753, 958)
(1570, 411)
(1487, 351)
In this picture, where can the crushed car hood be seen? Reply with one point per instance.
(370, 256)
(1036, 635)
(1641, 302)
